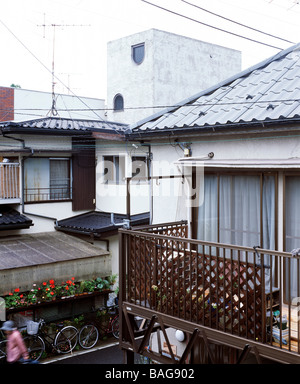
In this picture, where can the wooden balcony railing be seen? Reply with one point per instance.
(232, 289)
(9, 181)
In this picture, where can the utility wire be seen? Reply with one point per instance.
(236, 22)
(189, 104)
(28, 50)
(211, 26)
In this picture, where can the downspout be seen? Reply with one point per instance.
(149, 163)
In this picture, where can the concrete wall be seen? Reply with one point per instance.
(174, 68)
(23, 278)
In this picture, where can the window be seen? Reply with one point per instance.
(138, 53)
(114, 169)
(239, 210)
(292, 234)
(47, 179)
(118, 103)
(139, 168)
(59, 179)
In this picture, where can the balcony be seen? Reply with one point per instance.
(9, 183)
(219, 293)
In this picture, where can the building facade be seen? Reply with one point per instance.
(153, 69)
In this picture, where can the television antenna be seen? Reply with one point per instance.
(54, 26)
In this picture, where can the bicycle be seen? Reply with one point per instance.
(89, 334)
(2, 347)
(34, 344)
(64, 340)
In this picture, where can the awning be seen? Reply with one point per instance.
(292, 163)
(96, 223)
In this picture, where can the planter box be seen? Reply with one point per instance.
(60, 309)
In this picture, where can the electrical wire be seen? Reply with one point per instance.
(236, 22)
(196, 104)
(211, 26)
(50, 71)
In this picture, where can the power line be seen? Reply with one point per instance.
(236, 22)
(47, 69)
(190, 104)
(27, 49)
(211, 26)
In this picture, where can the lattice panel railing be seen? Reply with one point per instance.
(215, 287)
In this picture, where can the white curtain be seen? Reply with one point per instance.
(240, 210)
(292, 222)
(208, 210)
(239, 221)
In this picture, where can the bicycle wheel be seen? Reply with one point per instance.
(115, 327)
(66, 339)
(88, 336)
(2, 351)
(35, 346)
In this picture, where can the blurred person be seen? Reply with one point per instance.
(16, 351)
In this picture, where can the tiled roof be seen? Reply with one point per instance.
(266, 92)
(64, 124)
(11, 219)
(95, 222)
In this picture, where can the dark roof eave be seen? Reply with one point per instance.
(276, 124)
(12, 129)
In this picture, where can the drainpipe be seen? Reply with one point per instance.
(149, 163)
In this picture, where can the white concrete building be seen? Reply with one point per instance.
(22, 104)
(152, 69)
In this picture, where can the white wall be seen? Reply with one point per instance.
(112, 197)
(30, 105)
(174, 68)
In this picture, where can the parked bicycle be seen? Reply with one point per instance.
(90, 333)
(63, 340)
(2, 347)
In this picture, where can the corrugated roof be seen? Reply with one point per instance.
(268, 91)
(44, 248)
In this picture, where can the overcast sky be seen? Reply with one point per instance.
(85, 26)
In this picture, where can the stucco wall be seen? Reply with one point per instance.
(174, 68)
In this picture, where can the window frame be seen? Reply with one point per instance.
(144, 172)
(39, 196)
(244, 173)
(118, 96)
(118, 164)
(133, 56)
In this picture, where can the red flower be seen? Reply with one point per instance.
(44, 283)
(67, 288)
(72, 278)
(10, 294)
(21, 296)
(17, 290)
(51, 293)
(51, 282)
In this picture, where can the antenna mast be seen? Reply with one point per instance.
(53, 107)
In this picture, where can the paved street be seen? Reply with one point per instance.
(106, 354)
